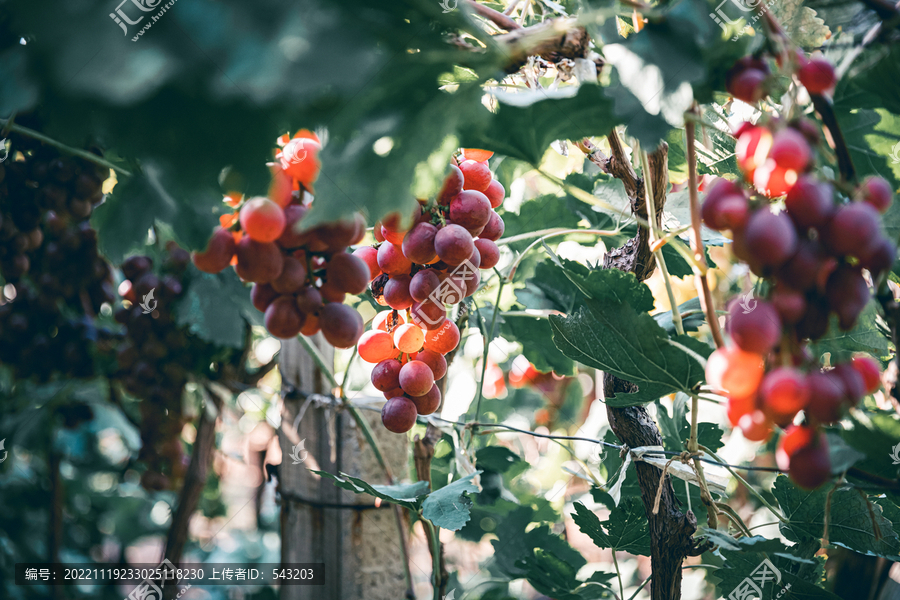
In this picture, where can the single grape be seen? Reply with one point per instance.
(443, 339)
(770, 238)
(848, 294)
(728, 211)
(795, 437)
(868, 368)
(339, 234)
(416, 378)
(817, 76)
(757, 331)
(495, 193)
(814, 323)
(826, 397)
(783, 392)
(852, 229)
(261, 295)
(428, 402)
(734, 371)
(386, 375)
(756, 426)
(408, 338)
(477, 175)
(369, 255)
(752, 148)
(399, 414)
(331, 293)
(453, 245)
(300, 159)
(490, 253)
(790, 304)
(809, 203)
(470, 209)
(418, 245)
(262, 220)
(423, 284)
(801, 271)
(283, 320)
(341, 325)
(494, 229)
(747, 85)
(375, 346)
(810, 466)
(435, 361)
(397, 292)
(218, 254)
(292, 278)
(877, 192)
(879, 257)
(854, 384)
(738, 407)
(259, 262)
(309, 300)
(477, 154)
(392, 261)
(774, 180)
(349, 273)
(790, 150)
(453, 185)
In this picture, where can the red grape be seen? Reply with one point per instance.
(809, 203)
(291, 237)
(397, 292)
(418, 245)
(309, 300)
(292, 278)
(259, 262)
(826, 397)
(870, 372)
(283, 320)
(416, 378)
(770, 237)
(386, 375)
(790, 150)
(747, 85)
(392, 261)
(453, 185)
(428, 314)
(790, 304)
(852, 229)
(341, 325)
(369, 255)
(755, 426)
(495, 193)
(848, 294)
(428, 402)
(756, 331)
(734, 371)
(218, 254)
(348, 273)
(477, 154)
(435, 361)
(262, 295)
(810, 466)
(490, 253)
(817, 76)
(423, 284)
(375, 346)
(444, 339)
(773, 180)
(877, 192)
(752, 148)
(387, 320)
(477, 175)
(494, 229)
(262, 220)
(784, 391)
(408, 338)
(399, 414)
(453, 245)
(470, 209)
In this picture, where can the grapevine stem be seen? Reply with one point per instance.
(654, 235)
(618, 574)
(488, 338)
(89, 156)
(706, 301)
(712, 515)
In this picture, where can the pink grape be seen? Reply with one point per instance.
(392, 261)
(470, 209)
(386, 375)
(423, 284)
(418, 245)
(453, 245)
(416, 378)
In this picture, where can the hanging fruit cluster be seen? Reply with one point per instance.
(421, 266)
(812, 255)
(55, 278)
(300, 278)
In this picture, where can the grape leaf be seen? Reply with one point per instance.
(853, 522)
(626, 530)
(449, 507)
(532, 333)
(692, 317)
(217, 308)
(407, 495)
(614, 332)
(801, 23)
(866, 336)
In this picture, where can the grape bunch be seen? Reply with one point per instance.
(55, 278)
(813, 256)
(420, 266)
(300, 278)
(155, 359)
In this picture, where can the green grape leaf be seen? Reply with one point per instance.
(407, 495)
(801, 23)
(626, 530)
(217, 308)
(449, 506)
(613, 331)
(866, 336)
(532, 333)
(853, 522)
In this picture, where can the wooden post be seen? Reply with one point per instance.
(321, 523)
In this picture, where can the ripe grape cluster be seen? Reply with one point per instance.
(813, 255)
(420, 268)
(155, 359)
(56, 279)
(300, 278)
